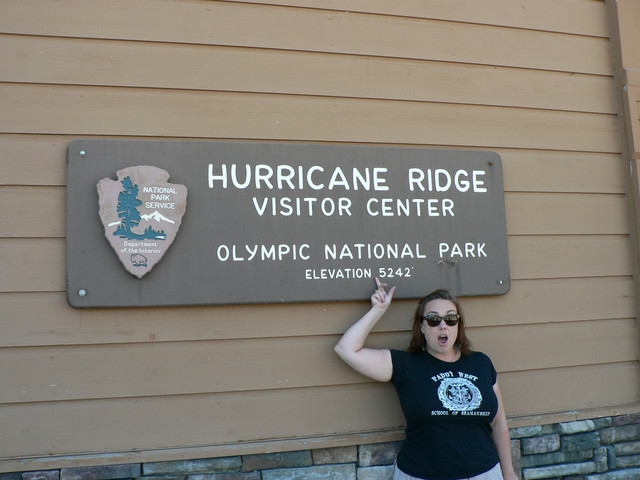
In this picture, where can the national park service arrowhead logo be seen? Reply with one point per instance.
(141, 214)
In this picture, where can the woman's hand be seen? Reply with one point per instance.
(380, 298)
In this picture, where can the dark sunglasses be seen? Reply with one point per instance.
(434, 320)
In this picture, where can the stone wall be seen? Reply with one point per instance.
(599, 449)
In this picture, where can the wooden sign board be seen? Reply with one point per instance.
(280, 222)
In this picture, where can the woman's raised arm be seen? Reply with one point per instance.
(373, 363)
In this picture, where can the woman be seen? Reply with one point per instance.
(456, 423)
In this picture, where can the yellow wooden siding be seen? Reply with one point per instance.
(265, 26)
(29, 316)
(531, 81)
(171, 113)
(178, 368)
(196, 67)
(41, 160)
(185, 420)
(568, 16)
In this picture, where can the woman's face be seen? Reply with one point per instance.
(440, 339)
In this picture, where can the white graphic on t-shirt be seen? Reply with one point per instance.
(459, 394)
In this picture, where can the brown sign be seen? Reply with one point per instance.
(283, 222)
(141, 214)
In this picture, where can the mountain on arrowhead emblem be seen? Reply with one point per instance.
(141, 213)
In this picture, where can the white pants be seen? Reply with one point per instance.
(494, 474)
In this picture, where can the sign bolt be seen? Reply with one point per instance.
(500, 282)
(83, 153)
(82, 292)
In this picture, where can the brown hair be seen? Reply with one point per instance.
(418, 342)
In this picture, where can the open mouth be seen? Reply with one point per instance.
(443, 339)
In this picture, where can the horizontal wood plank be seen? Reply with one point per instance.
(187, 420)
(570, 389)
(40, 319)
(557, 214)
(47, 319)
(33, 211)
(554, 300)
(39, 212)
(143, 64)
(40, 429)
(33, 160)
(554, 345)
(41, 160)
(569, 256)
(570, 16)
(562, 172)
(33, 265)
(234, 24)
(137, 370)
(74, 110)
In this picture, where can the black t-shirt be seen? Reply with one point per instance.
(449, 407)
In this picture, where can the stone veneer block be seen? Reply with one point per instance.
(168, 477)
(317, 472)
(629, 448)
(104, 472)
(601, 458)
(11, 476)
(620, 434)
(327, 456)
(627, 419)
(522, 432)
(553, 458)
(603, 422)
(571, 428)
(42, 475)
(384, 472)
(557, 471)
(378, 454)
(225, 476)
(632, 474)
(629, 461)
(580, 441)
(301, 458)
(544, 444)
(185, 467)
